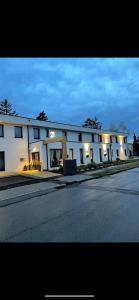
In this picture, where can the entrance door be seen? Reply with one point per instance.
(81, 156)
(2, 161)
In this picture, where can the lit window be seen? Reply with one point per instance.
(18, 132)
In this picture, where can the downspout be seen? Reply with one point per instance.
(28, 146)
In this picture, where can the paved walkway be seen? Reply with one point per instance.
(25, 192)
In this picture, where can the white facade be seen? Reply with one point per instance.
(18, 151)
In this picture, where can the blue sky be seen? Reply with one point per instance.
(71, 89)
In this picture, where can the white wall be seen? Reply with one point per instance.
(14, 148)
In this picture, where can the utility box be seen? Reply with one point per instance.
(69, 167)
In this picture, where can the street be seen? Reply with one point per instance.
(99, 210)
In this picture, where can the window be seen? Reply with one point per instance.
(116, 139)
(117, 152)
(65, 133)
(110, 138)
(35, 156)
(125, 152)
(81, 156)
(125, 140)
(100, 138)
(1, 131)
(100, 154)
(18, 132)
(93, 138)
(55, 157)
(79, 137)
(36, 133)
(47, 133)
(91, 154)
(71, 156)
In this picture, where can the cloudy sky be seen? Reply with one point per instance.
(71, 89)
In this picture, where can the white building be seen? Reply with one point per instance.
(22, 141)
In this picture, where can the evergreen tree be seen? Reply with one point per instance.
(42, 116)
(92, 123)
(6, 108)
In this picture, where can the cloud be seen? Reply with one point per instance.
(70, 89)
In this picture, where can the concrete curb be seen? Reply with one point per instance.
(23, 197)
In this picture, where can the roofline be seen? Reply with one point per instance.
(79, 126)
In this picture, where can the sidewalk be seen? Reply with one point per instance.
(94, 174)
(21, 193)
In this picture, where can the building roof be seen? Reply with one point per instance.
(19, 120)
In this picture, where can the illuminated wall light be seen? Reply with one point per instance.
(52, 134)
(86, 147)
(34, 149)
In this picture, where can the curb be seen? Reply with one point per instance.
(23, 197)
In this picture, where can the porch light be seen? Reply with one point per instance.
(52, 134)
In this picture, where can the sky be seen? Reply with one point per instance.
(71, 89)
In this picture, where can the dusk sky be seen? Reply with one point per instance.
(71, 89)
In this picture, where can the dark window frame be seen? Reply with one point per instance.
(125, 152)
(93, 138)
(36, 138)
(116, 139)
(2, 130)
(18, 137)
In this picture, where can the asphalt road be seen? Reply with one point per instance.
(101, 210)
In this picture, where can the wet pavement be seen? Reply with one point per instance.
(99, 210)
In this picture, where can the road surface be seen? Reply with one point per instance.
(100, 210)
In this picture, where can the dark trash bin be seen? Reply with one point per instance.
(69, 167)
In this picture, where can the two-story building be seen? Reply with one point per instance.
(23, 140)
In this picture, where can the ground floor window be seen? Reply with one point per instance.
(91, 154)
(81, 156)
(36, 156)
(108, 153)
(100, 154)
(55, 157)
(2, 161)
(71, 156)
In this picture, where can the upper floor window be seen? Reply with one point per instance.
(93, 138)
(36, 133)
(65, 133)
(79, 137)
(116, 139)
(125, 152)
(1, 131)
(18, 132)
(47, 132)
(100, 138)
(110, 138)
